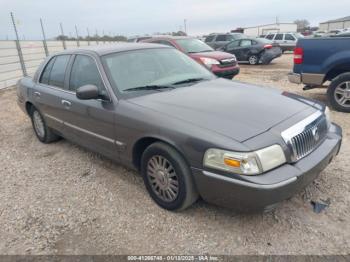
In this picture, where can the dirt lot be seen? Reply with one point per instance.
(61, 199)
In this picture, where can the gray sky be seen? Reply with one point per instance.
(138, 17)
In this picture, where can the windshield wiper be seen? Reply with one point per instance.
(148, 87)
(189, 80)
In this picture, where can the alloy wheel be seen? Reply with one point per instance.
(38, 124)
(342, 94)
(163, 179)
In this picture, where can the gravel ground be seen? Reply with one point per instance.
(62, 199)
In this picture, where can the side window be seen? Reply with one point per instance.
(84, 72)
(279, 37)
(45, 76)
(233, 45)
(209, 38)
(289, 37)
(270, 36)
(246, 43)
(58, 71)
(221, 38)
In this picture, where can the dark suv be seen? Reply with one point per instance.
(219, 40)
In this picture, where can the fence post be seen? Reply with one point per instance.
(62, 33)
(88, 38)
(76, 31)
(18, 46)
(44, 38)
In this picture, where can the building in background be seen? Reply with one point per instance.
(271, 28)
(336, 24)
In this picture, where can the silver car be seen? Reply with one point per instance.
(156, 110)
(287, 41)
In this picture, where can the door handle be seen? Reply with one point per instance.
(66, 103)
(37, 94)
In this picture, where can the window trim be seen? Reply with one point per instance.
(64, 88)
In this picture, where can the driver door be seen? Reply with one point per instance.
(89, 122)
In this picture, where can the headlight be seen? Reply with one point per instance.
(251, 163)
(327, 113)
(208, 62)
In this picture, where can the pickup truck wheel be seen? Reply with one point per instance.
(167, 177)
(253, 60)
(339, 93)
(41, 130)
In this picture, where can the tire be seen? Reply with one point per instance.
(253, 60)
(338, 92)
(41, 130)
(156, 177)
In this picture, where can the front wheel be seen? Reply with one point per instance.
(167, 177)
(339, 93)
(253, 60)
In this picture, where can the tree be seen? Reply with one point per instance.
(302, 24)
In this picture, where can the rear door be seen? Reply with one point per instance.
(50, 89)
(221, 40)
(290, 40)
(89, 122)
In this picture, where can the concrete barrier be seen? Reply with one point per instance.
(33, 54)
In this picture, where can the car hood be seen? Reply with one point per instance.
(218, 55)
(230, 108)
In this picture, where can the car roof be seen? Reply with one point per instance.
(101, 50)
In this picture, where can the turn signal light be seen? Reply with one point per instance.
(232, 162)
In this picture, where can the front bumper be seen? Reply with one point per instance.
(259, 193)
(225, 72)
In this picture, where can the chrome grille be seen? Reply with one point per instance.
(228, 62)
(306, 136)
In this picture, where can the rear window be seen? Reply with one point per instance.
(58, 71)
(289, 37)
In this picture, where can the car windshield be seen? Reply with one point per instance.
(192, 45)
(151, 68)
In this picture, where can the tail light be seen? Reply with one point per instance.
(298, 55)
(267, 46)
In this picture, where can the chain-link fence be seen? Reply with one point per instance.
(20, 58)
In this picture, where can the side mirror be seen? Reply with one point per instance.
(87, 92)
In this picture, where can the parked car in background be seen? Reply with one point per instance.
(138, 39)
(287, 41)
(219, 40)
(189, 133)
(220, 63)
(253, 50)
(343, 34)
(318, 60)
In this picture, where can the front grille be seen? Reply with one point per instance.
(306, 138)
(228, 62)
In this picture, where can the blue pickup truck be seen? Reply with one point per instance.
(319, 60)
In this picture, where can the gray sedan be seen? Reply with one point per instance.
(189, 133)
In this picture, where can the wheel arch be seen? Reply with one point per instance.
(29, 106)
(141, 144)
